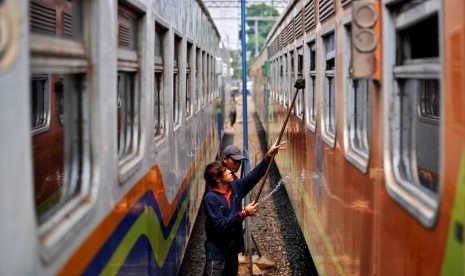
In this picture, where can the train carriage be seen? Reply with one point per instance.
(376, 139)
(108, 117)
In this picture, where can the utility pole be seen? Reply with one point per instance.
(256, 19)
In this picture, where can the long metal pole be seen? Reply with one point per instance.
(244, 89)
(245, 162)
(299, 84)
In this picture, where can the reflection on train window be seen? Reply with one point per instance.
(329, 90)
(413, 126)
(159, 84)
(56, 18)
(428, 104)
(176, 84)
(190, 49)
(356, 112)
(57, 177)
(127, 115)
(311, 86)
(61, 152)
(40, 102)
(59, 90)
(128, 89)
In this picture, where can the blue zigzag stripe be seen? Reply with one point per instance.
(105, 253)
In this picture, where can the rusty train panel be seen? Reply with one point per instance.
(384, 199)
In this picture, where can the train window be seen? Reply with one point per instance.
(129, 94)
(413, 95)
(328, 126)
(176, 83)
(204, 78)
(198, 79)
(276, 80)
(208, 86)
(190, 49)
(311, 85)
(290, 86)
(281, 80)
(209, 78)
(272, 77)
(159, 84)
(61, 156)
(356, 112)
(58, 177)
(284, 83)
(128, 108)
(300, 95)
(213, 77)
(278, 72)
(40, 103)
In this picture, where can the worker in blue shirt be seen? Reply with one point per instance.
(224, 214)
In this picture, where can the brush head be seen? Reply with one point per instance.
(299, 83)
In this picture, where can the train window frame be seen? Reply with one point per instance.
(281, 80)
(285, 83)
(71, 60)
(400, 158)
(198, 79)
(129, 64)
(357, 109)
(275, 79)
(190, 80)
(178, 78)
(291, 79)
(213, 73)
(208, 78)
(328, 111)
(159, 75)
(204, 90)
(211, 80)
(311, 100)
(299, 51)
(44, 111)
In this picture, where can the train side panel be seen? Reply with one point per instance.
(115, 118)
(356, 217)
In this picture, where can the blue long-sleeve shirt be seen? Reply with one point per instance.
(223, 224)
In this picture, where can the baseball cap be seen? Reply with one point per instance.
(234, 152)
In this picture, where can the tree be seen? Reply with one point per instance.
(264, 27)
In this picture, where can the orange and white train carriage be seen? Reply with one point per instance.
(376, 140)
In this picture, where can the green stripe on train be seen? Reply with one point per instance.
(453, 263)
